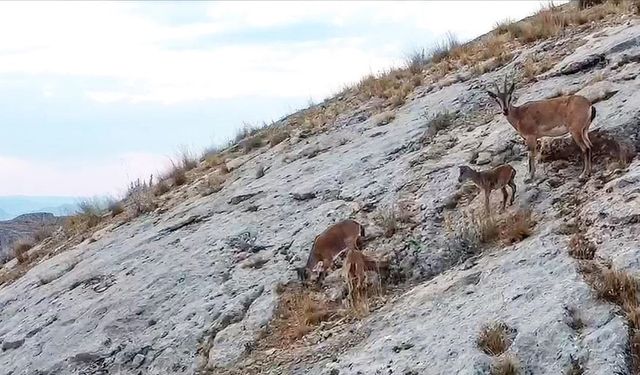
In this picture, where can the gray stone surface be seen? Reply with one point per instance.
(145, 296)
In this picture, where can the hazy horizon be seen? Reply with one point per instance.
(88, 107)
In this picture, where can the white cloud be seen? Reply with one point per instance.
(110, 40)
(85, 178)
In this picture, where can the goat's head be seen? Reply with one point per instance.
(465, 173)
(504, 97)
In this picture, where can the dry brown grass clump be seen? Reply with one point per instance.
(251, 143)
(161, 188)
(581, 247)
(621, 288)
(177, 174)
(21, 251)
(359, 287)
(44, 232)
(140, 195)
(535, 65)
(115, 207)
(506, 365)
(494, 338)
(516, 227)
(89, 214)
(299, 312)
(187, 160)
(384, 118)
(277, 136)
(616, 286)
(212, 185)
(390, 217)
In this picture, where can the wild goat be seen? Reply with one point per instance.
(496, 178)
(549, 118)
(356, 265)
(329, 244)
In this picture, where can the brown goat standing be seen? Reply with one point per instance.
(339, 237)
(549, 118)
(493, 179)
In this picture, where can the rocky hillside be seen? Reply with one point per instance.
(24, 227)
(204, 280)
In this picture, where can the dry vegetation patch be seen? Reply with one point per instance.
(580, 247)
(494, 338)
(506, 365)
(474, 229)
(21, 251)
(299, 311)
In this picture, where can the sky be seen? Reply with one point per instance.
(96, 94)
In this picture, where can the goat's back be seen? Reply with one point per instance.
(336, 238)
(562, 109)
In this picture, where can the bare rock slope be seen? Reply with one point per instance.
(194, 286)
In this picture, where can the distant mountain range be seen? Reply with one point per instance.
(12, 206)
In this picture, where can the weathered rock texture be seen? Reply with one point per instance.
(194, 286)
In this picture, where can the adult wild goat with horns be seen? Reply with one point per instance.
(548, 118)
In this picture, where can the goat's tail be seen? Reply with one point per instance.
(593, 113)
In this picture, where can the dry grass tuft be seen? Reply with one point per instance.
(44, 232)
(213, 185)
(251, 143)
(384, 118)
(534, 66)
(389, 218)
(616, 286)
(140, 195)
(177, 174)
(299, 312)
(494, 338)
(89, 215)
(416, 60)
(161, 188)
(21, 251)
(441, 121)
(359, 287)
(115, 207)
(277, 136)
(187, 160)
(581, 247)
(507, 365)
(516, 227)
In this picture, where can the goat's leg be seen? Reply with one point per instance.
(532, 143)
(505, 195)
(487, 208)
(587, 141)
(512, 185)
(579, 140)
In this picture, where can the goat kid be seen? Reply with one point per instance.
(497, 178)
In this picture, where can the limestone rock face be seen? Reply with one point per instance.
(194, 287)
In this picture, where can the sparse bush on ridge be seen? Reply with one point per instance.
(444, 48)
(21, 250)
(251, 143)
(416, 60)
(115, 207)
(277, 136)
(88, 215)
